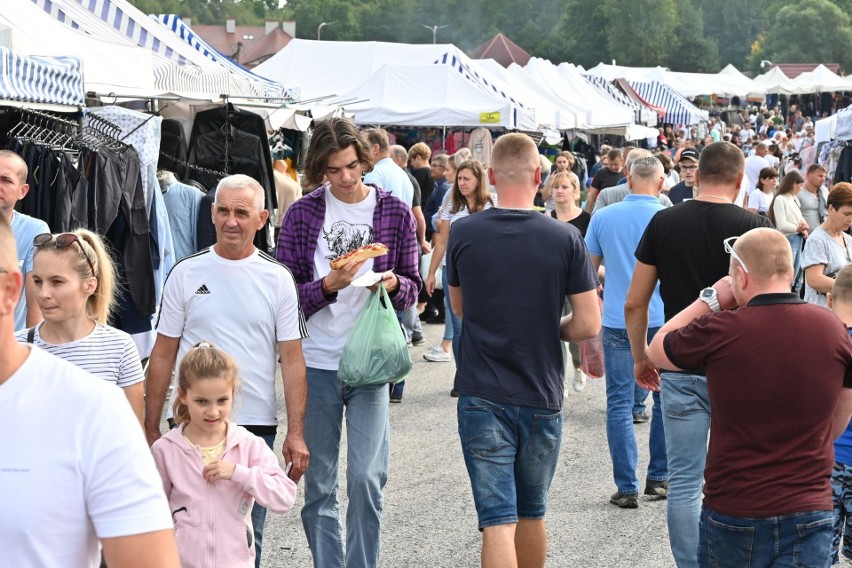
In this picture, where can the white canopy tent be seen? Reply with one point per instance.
(822, 80)
(612, 72)
(754, 90)
(547, 115)
(777, 83)
(619, 113)
(395, 95)
(595, 111)
(178, 67)
(107, 66)
(329, 68)
(697, 84)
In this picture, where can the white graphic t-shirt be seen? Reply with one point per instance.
(346, 227)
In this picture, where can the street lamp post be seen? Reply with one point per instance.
(434, 31)
(320, 27)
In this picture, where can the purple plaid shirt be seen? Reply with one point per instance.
(393, 226)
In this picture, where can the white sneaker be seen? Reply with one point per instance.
(437, 355)
(579, 382)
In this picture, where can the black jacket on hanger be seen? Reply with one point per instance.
(173, 143)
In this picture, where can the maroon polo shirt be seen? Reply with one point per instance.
(775, 370)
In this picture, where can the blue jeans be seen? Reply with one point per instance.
(258, 514)
(452, 319)
(796, 244)
(367, 455)
(620, 401)
(800, 539)
(511, 454)
(686, 415)
(448, 309)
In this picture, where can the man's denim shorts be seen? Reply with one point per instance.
(511, 454)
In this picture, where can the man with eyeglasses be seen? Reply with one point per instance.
(767, 495)
(682, 248)
(688, 166)
(13, 188)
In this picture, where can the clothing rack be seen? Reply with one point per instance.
(193, 166)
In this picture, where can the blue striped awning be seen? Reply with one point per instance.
(179, 67)
(678, 110)
(38, 79)
(185, 33)
(471, 74)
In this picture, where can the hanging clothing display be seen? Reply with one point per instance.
(142, 131)
(91, 179)
(234, 140)
(480, 145)
(182, 204)
(172, 148)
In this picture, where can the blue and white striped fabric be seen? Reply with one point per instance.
(185, 33)
(37, 79)
(603, 85)
(678, 109)
(471, 74)
(179, 67)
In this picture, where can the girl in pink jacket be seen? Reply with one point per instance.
(214, 470)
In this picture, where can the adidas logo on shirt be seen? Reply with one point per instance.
(203, 290)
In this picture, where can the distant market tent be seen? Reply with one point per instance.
(502, 50)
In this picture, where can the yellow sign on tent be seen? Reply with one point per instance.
(489, 117)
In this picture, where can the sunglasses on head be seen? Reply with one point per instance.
(61, 241)
(729, 248)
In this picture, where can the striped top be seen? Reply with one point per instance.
(107, 353)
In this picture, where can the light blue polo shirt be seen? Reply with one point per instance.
(25, 229)
(614, 233)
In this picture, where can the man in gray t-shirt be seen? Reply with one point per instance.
(814, 196)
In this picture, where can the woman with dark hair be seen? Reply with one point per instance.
(468, 195)
(760, 198)
(785, 212)
(829, 248)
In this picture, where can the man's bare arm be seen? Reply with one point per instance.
(160, 366)
(147, 550)
(293, 373)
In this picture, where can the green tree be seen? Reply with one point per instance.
(692, 50)
(309, 14)
(636, 31)
(733, 25)
(580, 35)
(827, 41)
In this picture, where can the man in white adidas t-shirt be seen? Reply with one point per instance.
(244, 302)
(74, 469)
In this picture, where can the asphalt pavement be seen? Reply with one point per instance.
(429, 517)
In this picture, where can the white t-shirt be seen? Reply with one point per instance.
(107, 353)
(243, 307)
(346, 226)
(759, 200)
(75, 467)
(753, 165)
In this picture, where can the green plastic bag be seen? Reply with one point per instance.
(375, 352)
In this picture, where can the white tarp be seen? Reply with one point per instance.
(395, 95)
(612, 72)
(178, 68)
(822, 80)
(619, 113)
(107, 66)
(547, 115)
(776, 82)
(324, 68)
(754, 90)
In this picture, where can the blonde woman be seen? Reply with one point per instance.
(74, 279)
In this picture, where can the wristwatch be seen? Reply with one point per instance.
(708, 296)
